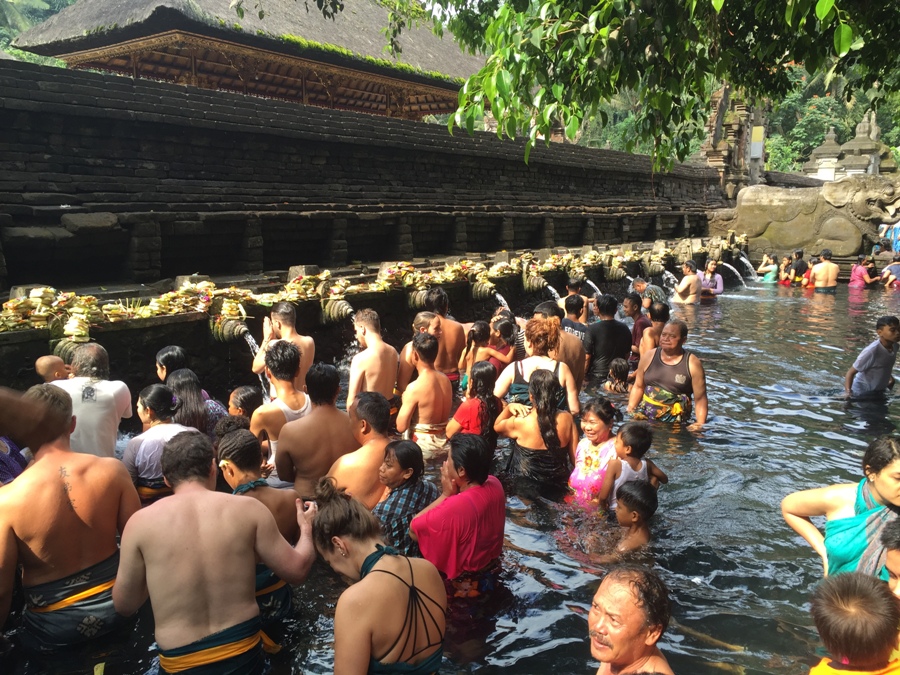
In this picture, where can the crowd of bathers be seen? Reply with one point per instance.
(214, 510)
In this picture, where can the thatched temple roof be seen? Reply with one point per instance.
(291, 53)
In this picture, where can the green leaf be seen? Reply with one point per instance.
(823, 7)
(843, 39)
(572, 126)
(789, 13)
(717, 5)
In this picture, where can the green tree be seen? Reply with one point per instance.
(553, 63)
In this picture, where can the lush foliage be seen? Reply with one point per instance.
(17, 16)
(551, 63)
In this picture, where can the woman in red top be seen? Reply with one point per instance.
(480, 409)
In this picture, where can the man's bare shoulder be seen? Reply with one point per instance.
(346, 462)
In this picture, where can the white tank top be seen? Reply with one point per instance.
(627, 474)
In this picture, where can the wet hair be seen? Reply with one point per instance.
(340, 515)
(618, 368)
(368, 318)
(172, 358)
(548, 309)
(575, 283)
(690, 264)
(681, 325)
(323, 382)
(603, 409)
(480, 332)
(91, 360)
(160, 399)
(607, 305)
(650, 593)
(409, 456)
(186, 456)
(825, 254)
(638, 280)
(857, 617)
(711, 260)
(186, 386)
(283, 360)
(470, 452)
(639, 496)
(436, 300)
(798, 253)
(375, 409)
(483, 377)
(659, 312)
(896, 257)
(638, 436)
(543, 334)
(285, 312)
(633, 298)
(813, 261)
(506, 329)
(426, 346)
(247, 397)
(544, 389)
(881, 453)
(574, 304)
(58, 404)
(231, 423)
(860, 259)
(890, 536)
(241, 447)
(503, 313)
(886, 321)
(422, 321)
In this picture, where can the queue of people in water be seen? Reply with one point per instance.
(220, 509)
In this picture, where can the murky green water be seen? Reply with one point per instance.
(739, 577)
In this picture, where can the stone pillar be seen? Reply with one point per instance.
(144, 246)
(250, 259)
(587, 235)
(404, 238)
(549, 232)
(507, 234)
(460, 237)
(338, 256)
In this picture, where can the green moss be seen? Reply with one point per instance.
(261, 32)
(237, 27)
(305, 44)
(221, 21)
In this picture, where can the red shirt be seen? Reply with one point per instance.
(467, 416)
(465, 532)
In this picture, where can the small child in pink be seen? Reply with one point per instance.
(594, 450)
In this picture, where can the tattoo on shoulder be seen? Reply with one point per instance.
(67, 486)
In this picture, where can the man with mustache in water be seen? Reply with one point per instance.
(629, 614)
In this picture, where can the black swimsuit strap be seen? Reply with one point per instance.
(415, 608)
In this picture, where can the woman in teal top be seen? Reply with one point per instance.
(856, 513)
(392, 617)
(769, 269)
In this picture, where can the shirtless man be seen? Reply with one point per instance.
(629, 614)
(424, 322)
(194, 554)
(309, 446)
(375, 367)
(824, 275)
(59, 520)
(370, 415)
(453, 341)
(573, 288)
(282, 364)
(428, 400)
(52, 368)
(280, 325)
(571, 349)
(687, 292)
(659, 317)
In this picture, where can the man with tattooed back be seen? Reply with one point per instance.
(59, 520)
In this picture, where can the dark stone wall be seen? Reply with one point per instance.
(213, 182)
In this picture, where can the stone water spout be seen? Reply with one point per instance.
(335, 311)
(228, 330)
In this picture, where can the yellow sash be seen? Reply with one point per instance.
(72, 599)
(271, 589)
(674, 408)
(204, 657)
(146, 493)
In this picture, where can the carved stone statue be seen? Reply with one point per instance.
(841, 215)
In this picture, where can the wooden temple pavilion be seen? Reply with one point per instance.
(291, 54)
